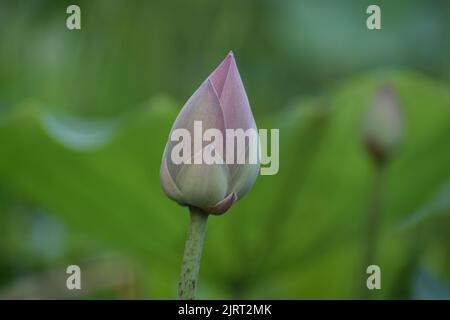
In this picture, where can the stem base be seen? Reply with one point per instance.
(187, 286)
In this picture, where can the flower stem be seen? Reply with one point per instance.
(187, 286)
(373, 221)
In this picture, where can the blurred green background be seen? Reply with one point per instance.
(85, 114)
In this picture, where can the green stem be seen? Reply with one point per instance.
(373, 222)
(187, 286)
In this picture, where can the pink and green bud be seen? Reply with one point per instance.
(209, 178)
(383, 125)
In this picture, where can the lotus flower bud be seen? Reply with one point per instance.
(220, 104)
(384, 124)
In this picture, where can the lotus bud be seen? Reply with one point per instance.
(384, 125)
(220, 103)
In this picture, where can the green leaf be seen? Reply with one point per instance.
(428, 287)
(295, 234)
(439, 204)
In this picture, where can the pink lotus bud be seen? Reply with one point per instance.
(384, 124)
(220, 104)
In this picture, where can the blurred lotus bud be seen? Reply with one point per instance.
(384, 125)
(219, 104)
